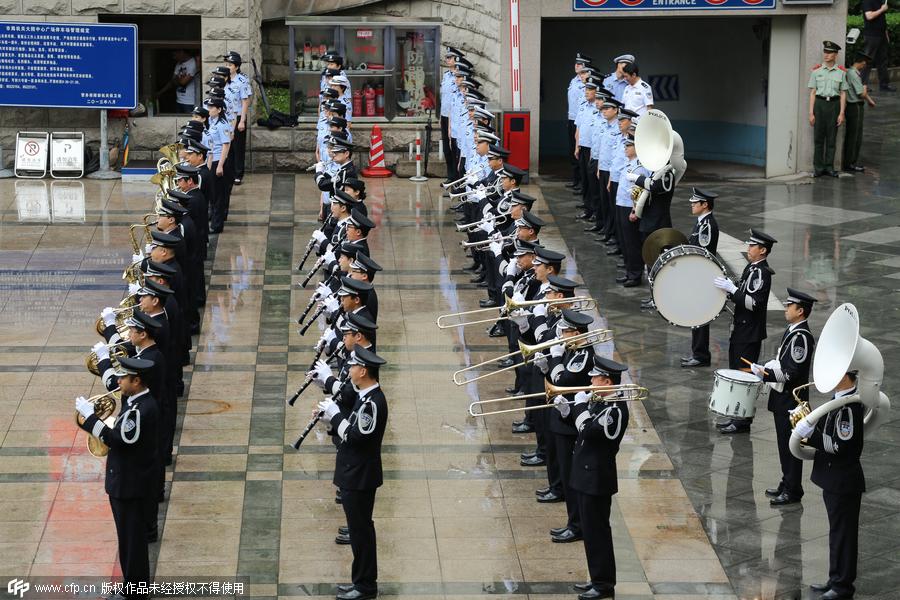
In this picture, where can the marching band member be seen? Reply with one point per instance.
(705, 235)
(784, 374)
(750, 297)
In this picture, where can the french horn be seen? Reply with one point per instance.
(104, 407)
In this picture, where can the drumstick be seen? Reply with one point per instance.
(749, 362)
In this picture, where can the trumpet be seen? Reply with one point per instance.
(92, 362)
(453, 184)
(482, 244)
(470, 227)
(580, 303)
(104, 407)
(582, 340)
(630, 391)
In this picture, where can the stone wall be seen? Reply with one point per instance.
(224, 24)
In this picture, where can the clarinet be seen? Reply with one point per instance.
(312, 243)
(312, 320)
(312, 302)
(316, 267)
(309, 427)
(309, 377)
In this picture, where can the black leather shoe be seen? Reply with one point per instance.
(506, 362)
(818, 173)
(549, 497)
(612, 242)
(478, 279)
(648, 303)
(594, 594)
(345, 588)
(576, 191)
(593, 228)
(343, 531)
(632, 283)
(497, 330)
(512, 391)
(522, 428)
(734, 427)
(541, 492)
(833, 173)
(572, 184)
(582, 587)
(835, 595)
(526, 456)
(487, 303)
(558, 531)
(621, 279)
(337, 497)
(471, 268)
(481, 284)
(342, 540)
(693, 362)
(614, 251)
(355, 594)
(820, 587)
(774, 493)
(620, 264)
(783, 499)
(583, 215)
(565, 537)
(535, 461)
(854, 169)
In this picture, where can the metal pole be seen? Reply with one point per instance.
(104, 172)
(418, 176)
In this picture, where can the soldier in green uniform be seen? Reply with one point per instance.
(857, 96)
(827, 99)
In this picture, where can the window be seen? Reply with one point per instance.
(163, 43)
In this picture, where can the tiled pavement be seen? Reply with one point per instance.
(456, 517)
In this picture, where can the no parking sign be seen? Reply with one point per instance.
(31, 153)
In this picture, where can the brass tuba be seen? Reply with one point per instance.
(104, 407)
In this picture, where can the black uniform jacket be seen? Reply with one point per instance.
(569, 370)
(750, 300)
(705, 233)
(794, 357)
(838, 440)
(657, 213)
(601, 430)
(131, 464)
(358, 464)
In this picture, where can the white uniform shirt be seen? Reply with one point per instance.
(637, 97)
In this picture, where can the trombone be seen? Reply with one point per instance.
(582, 340)
(482, 244)
(470, 227)
(580, 303)
(632, 393)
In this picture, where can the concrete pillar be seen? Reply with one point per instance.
(783, 125)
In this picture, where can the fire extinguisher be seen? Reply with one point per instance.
(370, 101)
(379, 100)
(357, 102)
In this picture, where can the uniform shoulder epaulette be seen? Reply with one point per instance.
(842, 68)
(645, 84)
(816, 67)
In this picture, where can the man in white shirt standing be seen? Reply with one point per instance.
(638, 96)
(183, 82)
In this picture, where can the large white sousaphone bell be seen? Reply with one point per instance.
(656, 145)
(841, 349)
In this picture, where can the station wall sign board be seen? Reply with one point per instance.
(601, 5)
(68, 65)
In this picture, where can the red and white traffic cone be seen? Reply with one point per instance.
(376, 166)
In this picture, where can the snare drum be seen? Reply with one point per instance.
(734, 394)
(681, 283)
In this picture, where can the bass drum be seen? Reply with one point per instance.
(681, 283)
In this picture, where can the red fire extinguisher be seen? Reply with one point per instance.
(379, 100)
(370, 101)
(357, 102)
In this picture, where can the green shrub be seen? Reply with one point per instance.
(279, 99)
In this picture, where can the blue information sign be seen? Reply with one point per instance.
(68, 65)
(586, 5)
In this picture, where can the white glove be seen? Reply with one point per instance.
(557, 350)
(518, 297)
(147, 249)
(540, 310)
(329, 408)
(562, 405)
(137, 258)
(108, 316)
(804, 428)
(513, 269)
(723, 283)
(329, 257)
(757, 370)
(101, 350)
(320, 166)
(331, 304)
(471, 178)
(582, 397)
(84, 408)
(487, 226)
(319, 236)
(520, 318)
(322, 291)
(632, 177)
(322, 371)
(496, 248)
(540, 361)
(133, 288)
(480, 194)
(772, 365)
(329, 336)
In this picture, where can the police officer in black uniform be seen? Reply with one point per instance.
(601, 426)
(750, 296)
(131, 466)
(358, 471)
(705, 235)
(785, 373)
(838, 440)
